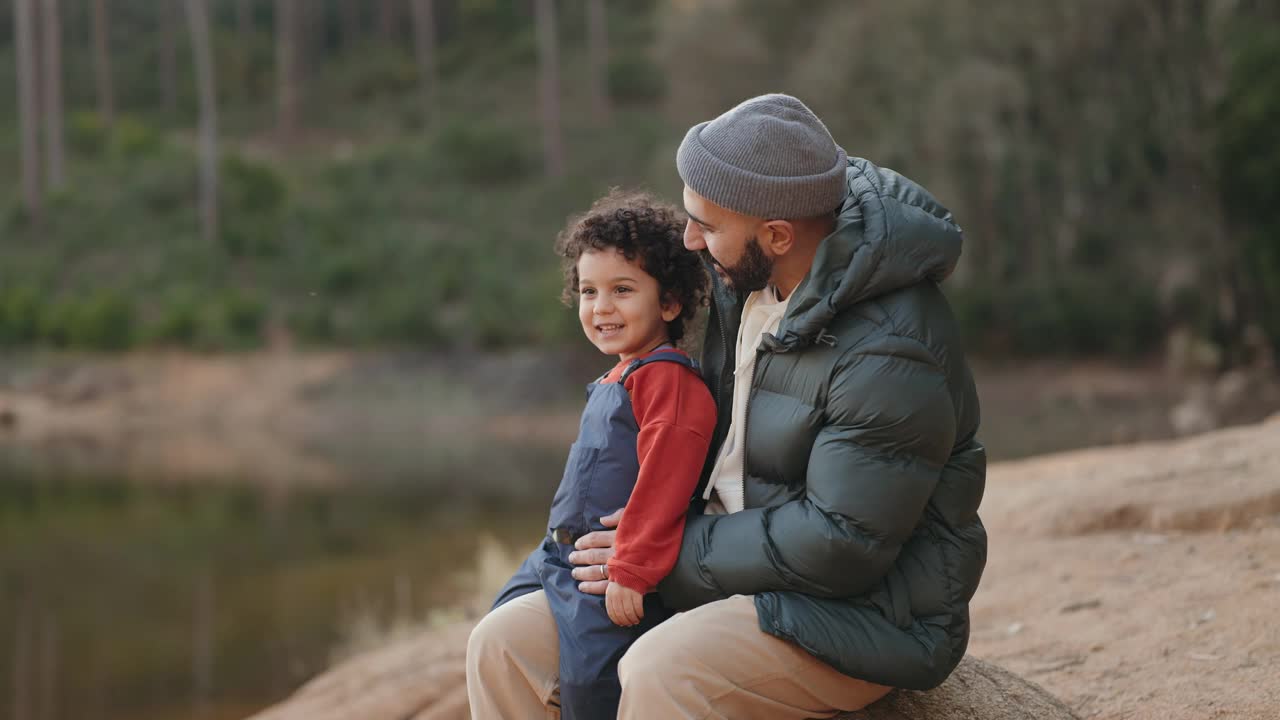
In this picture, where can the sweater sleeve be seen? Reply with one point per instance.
(676, 416)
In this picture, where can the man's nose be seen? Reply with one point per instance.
(693, 237)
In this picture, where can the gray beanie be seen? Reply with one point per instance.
(768, 157)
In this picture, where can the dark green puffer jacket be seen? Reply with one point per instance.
(860, 539)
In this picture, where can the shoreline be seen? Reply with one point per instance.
(315, 418)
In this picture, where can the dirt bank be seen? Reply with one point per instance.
(1140, 582)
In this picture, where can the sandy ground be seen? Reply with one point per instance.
(1142, 581)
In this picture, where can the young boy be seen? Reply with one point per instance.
(642, 442)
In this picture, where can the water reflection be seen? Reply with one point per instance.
(123, 599)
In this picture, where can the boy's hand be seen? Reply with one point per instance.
(625, 606)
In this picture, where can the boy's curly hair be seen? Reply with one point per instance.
(638, 226)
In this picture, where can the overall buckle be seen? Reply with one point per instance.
(564, 536)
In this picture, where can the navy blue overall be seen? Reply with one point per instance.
(598, 479)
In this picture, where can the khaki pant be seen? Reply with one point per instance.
(710, 662)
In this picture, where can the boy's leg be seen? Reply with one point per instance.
(715, 662)
(590, 645)
(512, 658)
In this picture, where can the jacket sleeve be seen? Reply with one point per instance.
(888, 432)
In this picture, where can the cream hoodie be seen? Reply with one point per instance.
(761, 314)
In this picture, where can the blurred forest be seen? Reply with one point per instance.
(224, 174)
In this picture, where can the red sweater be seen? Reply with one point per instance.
(676, 416)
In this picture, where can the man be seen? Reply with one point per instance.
(840, 542)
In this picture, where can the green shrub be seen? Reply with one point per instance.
(244, 316)
(130, 138)
(976, 310)
(245, 70)
(313, 323)
(636, 79)
(19, 315)
(235, 322)
(103, 322)
(1248, 159)
(399, 318)
(386, 72)
(502, 314)
(1082, 315)
(413, 118)
(254, 198)
(482, 153)
(58, 322)
(344, 274)
(251, 187)
(164, 183)
(248, 236)
(17, 218)
(86, 133)
(179, 323)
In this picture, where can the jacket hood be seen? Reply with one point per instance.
(890, 234)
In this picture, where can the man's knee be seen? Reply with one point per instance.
(494, 635)
(522, 628)
(655, 659)
(486, 638)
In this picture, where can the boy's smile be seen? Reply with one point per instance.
(620, 305)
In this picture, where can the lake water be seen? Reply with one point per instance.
(123, 599)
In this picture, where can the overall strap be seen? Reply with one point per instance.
(674, 356)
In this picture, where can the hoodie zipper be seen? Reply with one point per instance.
(746, 426)
(718, 313)
(724, 370)
(724, 363)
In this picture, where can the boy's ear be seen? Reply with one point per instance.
(671, 309)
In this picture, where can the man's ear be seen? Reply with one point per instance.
(778, 236)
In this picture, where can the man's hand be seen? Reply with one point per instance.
(625, 606)
(593, 551)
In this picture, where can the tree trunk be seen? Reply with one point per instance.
(168, 59)
(102, 63)
(24, 27)
(316, 29)
(387, 17)
(244, 20)
(202, 54)
(549, 88)
(424, 46)
(598, 44)
(303, 41)
(286, 67)
(51, 75)
(352, 23)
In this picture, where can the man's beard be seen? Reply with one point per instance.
(751, 273)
